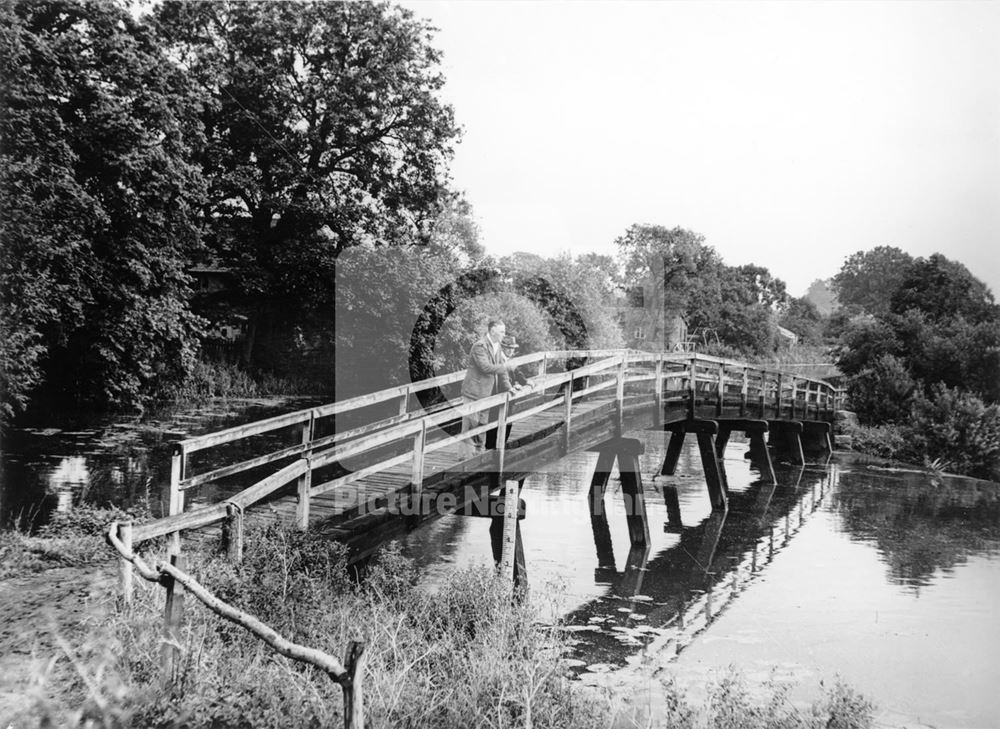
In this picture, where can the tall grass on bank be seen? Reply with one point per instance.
(463, 656)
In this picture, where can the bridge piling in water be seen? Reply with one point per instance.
(626, 451)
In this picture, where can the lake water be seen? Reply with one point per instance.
(886, 579)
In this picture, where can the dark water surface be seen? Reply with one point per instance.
(104, 460)
(885, 578)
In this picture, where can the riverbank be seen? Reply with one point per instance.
(459, 656)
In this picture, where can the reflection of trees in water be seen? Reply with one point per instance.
(918, 527)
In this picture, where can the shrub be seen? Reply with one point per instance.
(956, 428)
(885, 441)
(882, 392)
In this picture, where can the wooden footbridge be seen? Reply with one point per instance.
(370, 469)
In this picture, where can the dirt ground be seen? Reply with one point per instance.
(41, 616)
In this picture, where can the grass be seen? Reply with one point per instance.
(72, 538)
(228, 381)
(462, 656)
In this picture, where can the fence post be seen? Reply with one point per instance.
(305, 480)
(404, 401)
(658, 394)
(175, 497)
(353, 685)
(543, 370)
(126, 570)
(417, 472)
(173, 615)
(234, 533)
(620, 395)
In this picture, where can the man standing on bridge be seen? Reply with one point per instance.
(487, 375)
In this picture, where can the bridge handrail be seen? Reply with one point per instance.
(696, 372)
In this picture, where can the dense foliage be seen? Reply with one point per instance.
(926, 356)
(100, 207)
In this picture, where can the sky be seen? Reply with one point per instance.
(789, 135)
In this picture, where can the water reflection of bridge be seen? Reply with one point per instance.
(661, 603)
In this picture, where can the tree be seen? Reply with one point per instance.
(802, 317)
(943, 290)
(99, 207)
(325, 131)
(821, 295)
(868, 279)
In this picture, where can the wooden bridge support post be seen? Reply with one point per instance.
(816, 436)
(673, 449)
(603, 545)
(710, 463)
(627, 452)
(599, 481)
(759, 455)
(126, 570)
(635, 503)
(673, 504)
(173, 616)
(786, 437)
(722, 440)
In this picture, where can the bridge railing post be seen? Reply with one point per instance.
(304, 483)
(658, 393)
(502, 435)
(720, 390)
(795, 395)
(692, 386)
(762, 396)
(126, 570)
(404, 401)
(777, 397)
(175, 498)
(744, 392)
(567, 416)
(620, 395)
(543, 368)
(417, 469)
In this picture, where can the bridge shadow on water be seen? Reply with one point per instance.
(621, 599)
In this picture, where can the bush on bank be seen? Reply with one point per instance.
(462, 656)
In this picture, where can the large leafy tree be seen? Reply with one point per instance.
(325, 131)
(99, 208)
(868, 279)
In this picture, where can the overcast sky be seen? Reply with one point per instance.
(788, 134)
